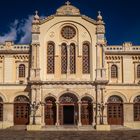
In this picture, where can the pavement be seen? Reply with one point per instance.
(71, 135)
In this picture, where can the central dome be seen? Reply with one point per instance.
(68, 9)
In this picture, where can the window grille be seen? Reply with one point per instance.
(63, 59)
(114, 71)
(72, 59)
(21, 70)
(50, 58)
(86, 58)
(138, 71)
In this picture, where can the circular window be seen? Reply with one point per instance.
(68, 32)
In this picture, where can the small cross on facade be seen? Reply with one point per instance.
(67, 3)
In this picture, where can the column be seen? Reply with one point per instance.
(79, 109)
(105, 114)
(57, 114)
(43, 114)
(37, 55)
(8, 115)
(98, 103)
(17, 80)
(68, 59)
(103, 65)
(128, 113)
(94, 112)
(98, 72)
(26, 73)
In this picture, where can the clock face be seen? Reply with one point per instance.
(68, 32)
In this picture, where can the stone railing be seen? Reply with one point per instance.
(122, 48)
(21, 47)
(14, 47)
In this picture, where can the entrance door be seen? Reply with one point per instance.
(50, 114)
(115, 113)
(21, 113)
(68, 113)
(86, 114)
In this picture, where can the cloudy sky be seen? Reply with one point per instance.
(122, 17)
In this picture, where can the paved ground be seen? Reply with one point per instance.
(45, 135)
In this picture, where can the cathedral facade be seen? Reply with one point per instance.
(68, 75)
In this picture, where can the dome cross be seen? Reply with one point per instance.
(67, 3)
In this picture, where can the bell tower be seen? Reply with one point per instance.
(100, 53)
(35, 68)
(100, 80)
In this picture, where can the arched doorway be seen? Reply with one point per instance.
(137, 108)
(115, 110)
(68, 111)
(50, 111)
(1, 109)
(21, 110)
(86, 111)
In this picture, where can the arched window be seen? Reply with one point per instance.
(21, 70)
(72, 59)
(86, 58)
(64, 58)
(138, 71)
(21, 99)
(50, 58)
(114, 71)
(137, 108)
(1, 109)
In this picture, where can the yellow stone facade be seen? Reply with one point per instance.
(99, 84)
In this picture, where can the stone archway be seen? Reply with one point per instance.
(86, 111)
(115, 110)
(68, 109)
(21, 110)
(50, 111)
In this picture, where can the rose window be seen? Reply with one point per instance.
(68, 32)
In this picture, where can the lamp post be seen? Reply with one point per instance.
(34, 107)
(100, 107)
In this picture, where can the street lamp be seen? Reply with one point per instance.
(100, 108)
(34, 107)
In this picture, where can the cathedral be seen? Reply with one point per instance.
(69, 76)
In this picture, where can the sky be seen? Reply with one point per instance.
(122, 18)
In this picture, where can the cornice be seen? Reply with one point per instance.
(42, 21)
(14, 51)
(122, 52)
(82, 16)
(62, 82)
(123, 84)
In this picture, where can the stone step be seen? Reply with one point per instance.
(119, 127)
(18, 127)
(67, 128)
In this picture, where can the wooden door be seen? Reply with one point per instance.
(21, 113)
(1, 112)
(50, 114)
(86, 114)
(115, 113)
(137, 112)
